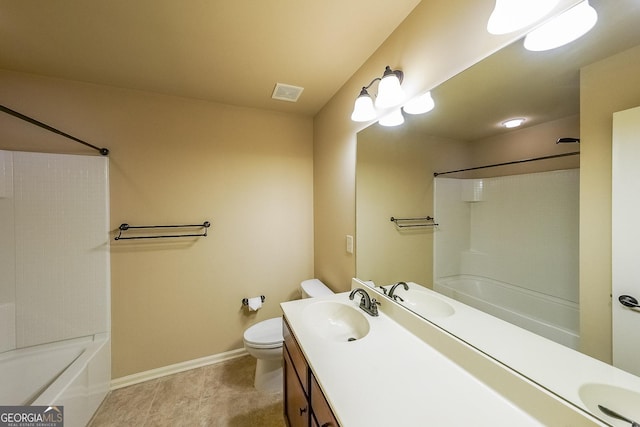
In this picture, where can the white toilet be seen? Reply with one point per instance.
(264, 341)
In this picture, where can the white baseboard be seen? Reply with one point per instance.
(175, 368)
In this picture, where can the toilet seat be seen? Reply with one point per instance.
(265, 334)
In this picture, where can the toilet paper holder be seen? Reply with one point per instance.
(245, 301)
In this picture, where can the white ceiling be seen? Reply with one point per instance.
(232, 52)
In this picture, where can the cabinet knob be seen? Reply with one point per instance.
(303, 410)
(327, 424)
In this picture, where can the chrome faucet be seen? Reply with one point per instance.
(393, 289)
(367, 304)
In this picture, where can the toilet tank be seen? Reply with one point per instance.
(314, 288)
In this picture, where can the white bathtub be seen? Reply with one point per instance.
(545, 315)
(74, 374)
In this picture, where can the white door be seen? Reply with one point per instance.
(626, 239)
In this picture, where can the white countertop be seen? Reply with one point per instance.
(392, 378)
(556, 367)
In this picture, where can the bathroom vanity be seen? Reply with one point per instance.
(304, 401)
(345, 367)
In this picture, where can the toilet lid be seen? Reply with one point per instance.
(265, 333)
(315, 288)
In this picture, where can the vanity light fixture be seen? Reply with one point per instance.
(563, 29)
(513, 123)
(420, 104)
(394, 118)
(390, 94)
(512, 15)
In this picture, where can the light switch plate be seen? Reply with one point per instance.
(349, 244)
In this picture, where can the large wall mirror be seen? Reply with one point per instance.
(510, 229)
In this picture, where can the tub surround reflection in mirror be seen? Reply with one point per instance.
(509, 246)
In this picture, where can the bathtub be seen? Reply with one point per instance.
(548, 316)
(74, 374)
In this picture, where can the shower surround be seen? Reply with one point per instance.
(520, 231)
(54, 266)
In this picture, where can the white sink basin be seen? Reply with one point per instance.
(426, 305)
(624, 402)
(336, 321)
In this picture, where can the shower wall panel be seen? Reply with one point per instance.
(7, 255)
(61, 247)
(453, 233)
(522, 230)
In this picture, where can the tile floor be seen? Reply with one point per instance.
(220, 395)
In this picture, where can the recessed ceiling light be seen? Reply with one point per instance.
(513, 123)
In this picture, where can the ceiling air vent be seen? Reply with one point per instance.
(285, 92)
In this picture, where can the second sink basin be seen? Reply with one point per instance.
(336, 321)
(426, 305)
(623, 401)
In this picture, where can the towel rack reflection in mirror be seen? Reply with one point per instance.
(126, 227)
(427, 221)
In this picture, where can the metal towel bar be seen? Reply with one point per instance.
(427, 221)
(126, 227)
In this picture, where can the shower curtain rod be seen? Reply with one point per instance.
(103, 151)
(573, 153)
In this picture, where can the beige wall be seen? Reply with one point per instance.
(606, 87)
(176, 161)
(395, 178)
(438, 40)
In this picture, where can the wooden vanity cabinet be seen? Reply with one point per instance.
(304, 402)
(322, 414)
(296, 382)
(296, 402)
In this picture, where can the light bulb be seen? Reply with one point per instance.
(390, 93)
(363, 110)
(511, 15)
(563, 29)
(420, 104)
(395, 118)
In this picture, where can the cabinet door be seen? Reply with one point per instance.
(321, 410)
(296, 407)
(297, 358)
